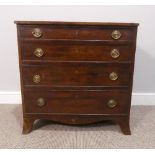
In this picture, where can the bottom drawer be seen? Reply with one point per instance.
(77, 102)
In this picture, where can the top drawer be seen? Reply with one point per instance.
(77, 32)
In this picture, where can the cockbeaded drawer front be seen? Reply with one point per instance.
(77, 102)
(77, 32)
(77, 74)
(60, 51)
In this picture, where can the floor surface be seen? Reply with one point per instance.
(99, 136)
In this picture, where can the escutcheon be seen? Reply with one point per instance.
(113, 76)
(38, 52)
(37, 33)
(112, 103)
(115, 53)
(36, 78)
(40, 102)
(116, 34)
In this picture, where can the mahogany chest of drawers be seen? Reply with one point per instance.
(76, 72)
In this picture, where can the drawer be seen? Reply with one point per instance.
(50, 51)
(77, 74)
(77, 32)
(77, 102)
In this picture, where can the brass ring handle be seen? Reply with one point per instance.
(37, 32)
(40, 102)
(116, 34)
(115, 53)
(112, 103)
(36, 78)
(113, 76)
(38, 52)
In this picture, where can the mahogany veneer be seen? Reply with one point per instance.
(76, 72)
